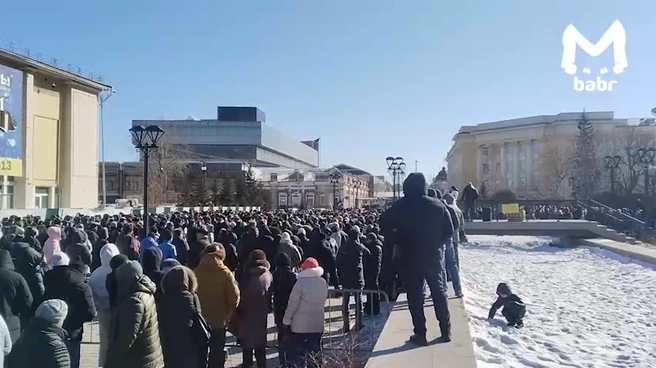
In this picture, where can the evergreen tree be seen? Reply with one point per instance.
(216, 191)
(241, 192)
(254, 189)
(585, 160)
(227, 194)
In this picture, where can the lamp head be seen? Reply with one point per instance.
(390, 162)
(154, 134)
(616, 161)
(651, 153)
(608, 162)
(138, 133)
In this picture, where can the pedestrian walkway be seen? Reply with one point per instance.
(393, 349)
(335, 342)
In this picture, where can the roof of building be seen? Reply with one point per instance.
(605, 116)
(27, 59)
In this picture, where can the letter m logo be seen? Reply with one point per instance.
(615, 35)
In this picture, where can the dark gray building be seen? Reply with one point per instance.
(238, 135)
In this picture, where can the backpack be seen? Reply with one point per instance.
(200, 335)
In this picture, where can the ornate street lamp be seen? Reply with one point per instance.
(334, 179)
(611, 163)
(145, 139)
(646, 157)
(396, 167)
(203, 168)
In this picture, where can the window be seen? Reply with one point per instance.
(497, 167)
(310, 200)
(274, 177)
(41, 197)
(486, 168)
(497, 150)
(484, 151)
(282, 199)
(296, 199)
(510, 149)
(522, 147)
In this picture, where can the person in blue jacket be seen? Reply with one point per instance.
(168, 249)
(513, 307)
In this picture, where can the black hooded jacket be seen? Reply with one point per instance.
(419, 226)
(504, 289)
(27, 262)
(69, 284)
(15, 295)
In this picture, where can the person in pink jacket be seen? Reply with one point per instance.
(52, 246)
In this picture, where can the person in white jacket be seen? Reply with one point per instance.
(304, 317)
(5, 341)
(98, 284)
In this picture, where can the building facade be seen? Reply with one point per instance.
(48, 129)
(523, 155)
(238, 134)
(293, 188)
(124, 180)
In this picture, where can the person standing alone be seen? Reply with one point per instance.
(421, 226)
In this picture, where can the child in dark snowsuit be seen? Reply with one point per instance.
(513, 307)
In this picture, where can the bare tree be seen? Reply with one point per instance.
(555, 166)
(168, 167)
(624, 142)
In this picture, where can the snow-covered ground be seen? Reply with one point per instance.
(585, 307)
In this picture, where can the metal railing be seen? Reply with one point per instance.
(339, 333)
(12, 48)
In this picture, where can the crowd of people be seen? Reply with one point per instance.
(169, 294)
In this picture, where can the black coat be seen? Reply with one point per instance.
(372, 263)
(283, 283)
(175, 316)
(69, 284)
(349, 263)
(15, 295)
(418, 226)
(321, 250)
(470, 194)
(27, 262)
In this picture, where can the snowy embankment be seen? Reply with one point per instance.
(585, 307)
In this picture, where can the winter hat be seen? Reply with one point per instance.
(257, 255)
(415, 185)
(118, 261)
(301, 231)
(60, 259)
(432, 193)
(53, 310)
(309, 263)
(285, 238)
(168, 264)
(19, 231)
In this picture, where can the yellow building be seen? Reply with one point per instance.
(529, 156)
(48, 134)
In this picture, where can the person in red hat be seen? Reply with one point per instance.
(304, 317)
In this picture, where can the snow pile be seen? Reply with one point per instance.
(585, 307)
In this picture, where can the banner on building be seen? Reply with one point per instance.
(11, 121)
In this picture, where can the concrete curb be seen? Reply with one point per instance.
(634, 251)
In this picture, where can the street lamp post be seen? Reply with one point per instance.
(203, 168)
(145, 139)
(334, 179)
(611, 163)
(396, 167)
(646, 157)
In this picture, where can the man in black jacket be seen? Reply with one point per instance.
(420, 226)
(15, 295)
(68, 283)
(371, 265)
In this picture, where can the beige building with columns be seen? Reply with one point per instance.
(524, 155)
(49, 134)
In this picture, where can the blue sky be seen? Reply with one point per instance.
(371, 78)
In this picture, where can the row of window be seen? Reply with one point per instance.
(295, 200)
(511, 149)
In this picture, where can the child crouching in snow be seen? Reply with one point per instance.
(513, 307)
